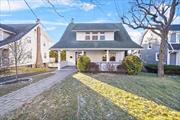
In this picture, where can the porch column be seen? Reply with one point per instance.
(107, 56)
(82, 52)
(59, 59)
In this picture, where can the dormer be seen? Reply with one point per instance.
(95, 31)
(94, 35)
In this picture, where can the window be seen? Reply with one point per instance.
(29, 56)
(112, 56)
(157, 56)
(177, 37)
(94, 37)
(87, 37)
(28, 39)
(149, 45)
(104, 58)
(102, 37)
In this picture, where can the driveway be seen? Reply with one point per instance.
(24, 95)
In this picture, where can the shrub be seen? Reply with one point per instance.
(121, 69)
(93, 67)
(168, 69)
(83, 62)
(133, 64)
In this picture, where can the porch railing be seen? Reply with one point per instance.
(108, 66)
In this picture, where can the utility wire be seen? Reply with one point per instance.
(31, 9)
(35, 14)
(55, 10)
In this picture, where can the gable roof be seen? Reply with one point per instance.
(19, 31)
(122, 39)
(175, 27)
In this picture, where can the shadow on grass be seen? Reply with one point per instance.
(136, 106)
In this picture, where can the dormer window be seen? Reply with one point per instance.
(87, 37)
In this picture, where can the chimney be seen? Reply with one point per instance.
(72, 20)
(38, 21)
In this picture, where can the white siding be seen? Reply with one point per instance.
(80, 36)
(94, 55)
(178, 58)
(109, 35)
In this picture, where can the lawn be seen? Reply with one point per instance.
(5, 89)
(105, 97)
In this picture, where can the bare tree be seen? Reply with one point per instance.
(155, 15)
(19, 53)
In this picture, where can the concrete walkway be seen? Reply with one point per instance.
(17, 98)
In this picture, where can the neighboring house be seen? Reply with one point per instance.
(102, 42)
(31, 41)
(151, 44)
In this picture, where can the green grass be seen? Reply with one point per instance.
(5, 89)
(73, 100)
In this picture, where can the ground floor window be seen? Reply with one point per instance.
(157, 56)
(112, 56)
(104, 58)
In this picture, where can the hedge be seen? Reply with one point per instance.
(168, 69)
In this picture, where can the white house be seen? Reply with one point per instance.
(102, 42)
(31, 41)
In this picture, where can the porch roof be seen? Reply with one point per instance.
(122, 39)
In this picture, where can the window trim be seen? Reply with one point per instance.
(156, 56)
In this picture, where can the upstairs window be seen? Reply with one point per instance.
(149, 45)
(102, 36)
(94, 37)
(87, 37)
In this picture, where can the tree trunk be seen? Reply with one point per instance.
(162, 55)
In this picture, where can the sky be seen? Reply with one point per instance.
(91, 11)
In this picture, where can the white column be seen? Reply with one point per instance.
(107, 55)
(59, 59)
(82, 52)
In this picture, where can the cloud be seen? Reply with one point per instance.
(50, 28)
(15, 5)
(88, 6)
(44, 22)
(109, 14)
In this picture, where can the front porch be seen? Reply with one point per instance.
(108, 60)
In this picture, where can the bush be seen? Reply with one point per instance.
(168, 69)
(82, 63)
(133, 64)
(121, 69)
(93, 67)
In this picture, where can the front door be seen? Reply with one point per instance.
(77, 55)
(173, 58)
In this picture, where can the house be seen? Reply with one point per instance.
(151, 44)
(103, 43)
(29, 40)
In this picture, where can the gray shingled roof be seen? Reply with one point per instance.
(95, 26)
(19, 29)
(122, 39)
(175, 47)
(175, 27)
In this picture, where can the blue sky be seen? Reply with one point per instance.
(81, 10)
